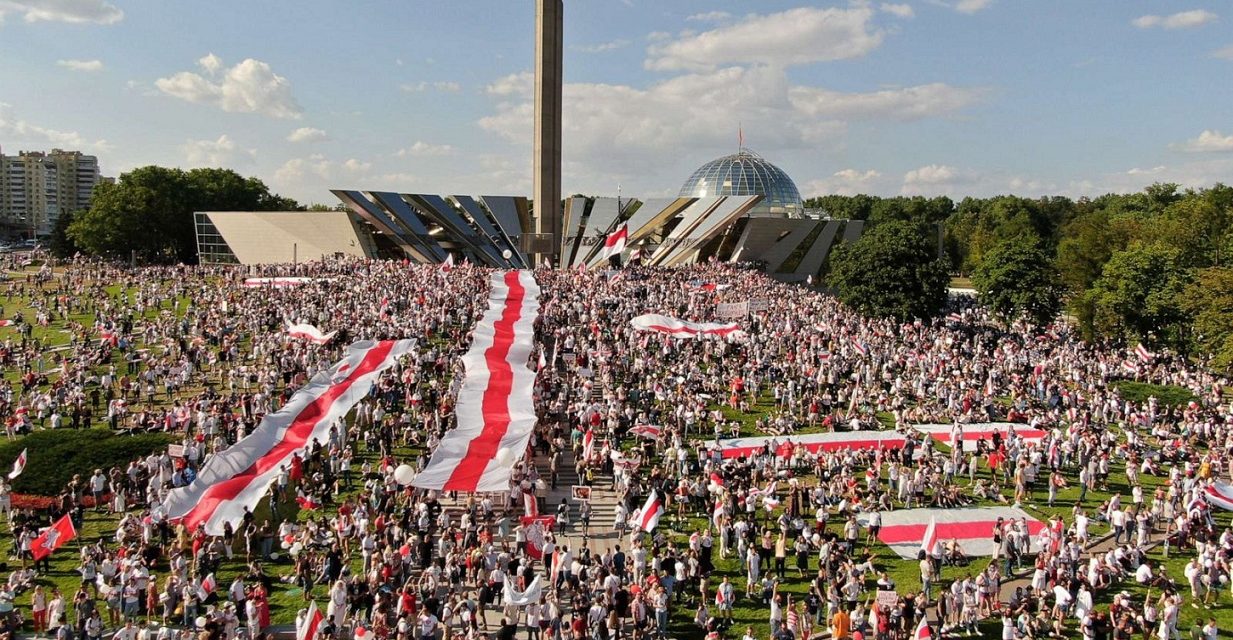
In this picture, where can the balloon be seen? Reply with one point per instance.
(360, 633)
(273, 557)
(404, 474)
(201, 622)
(296, 549)
(286, 545)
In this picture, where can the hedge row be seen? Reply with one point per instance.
(54, 456)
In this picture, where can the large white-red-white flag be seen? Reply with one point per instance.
(1143, 353)
(308, 332)
(784, 446)
(448, 265)
(614, 244)
(240, 476)
(588, 444)
(19, 465)
(905, 530)
(678, 328)
(648, 517)
(929, 543)
(311, 624)
(923, 632)
(495, 410)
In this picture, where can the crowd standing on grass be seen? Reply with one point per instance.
(193, 352)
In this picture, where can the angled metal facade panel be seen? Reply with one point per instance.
(443, 213)
(852, 230)
(416, 230)
(595, 229)
(480, 219)
(720, 218)
(381, 219)
(575, 212)
(813, 259)
(652, 215)
(772, 240)
(690, 218)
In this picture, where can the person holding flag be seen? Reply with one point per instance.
(53, 538)
(19, 465)
(649, 516)
(725, 596)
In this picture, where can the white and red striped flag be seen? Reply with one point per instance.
(207, 586)
(588, 444)
(448, 265)
(310, 333)
(614, 244)
(923, 632)
(19, 465)
(648, 517)
(678, 328)
(239, 477)
(311, 624)
(929, 544)
(648, 431)
(636, 254)
(495, 410)
(860, 347)
(1143, 353)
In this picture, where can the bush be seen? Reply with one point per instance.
(1167, 394)
(54, 456)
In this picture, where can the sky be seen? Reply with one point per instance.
(928, 97)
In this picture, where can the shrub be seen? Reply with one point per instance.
(54, 456)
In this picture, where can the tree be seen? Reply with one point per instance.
(150, 211)
(1138, 297)
(1017, 280)
(893, 270)
(1209, 300)
(60, 244)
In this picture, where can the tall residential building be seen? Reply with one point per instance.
(36, 187)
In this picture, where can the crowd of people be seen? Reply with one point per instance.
(788, 533)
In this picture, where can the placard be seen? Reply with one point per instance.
(175, 450)
(580, 493)
(887, 598)
(731, 309)
(759, 305)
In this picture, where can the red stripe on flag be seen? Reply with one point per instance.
(972, 529)
(482, 450)
(294, 438)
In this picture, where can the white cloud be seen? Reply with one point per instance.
(941, 179)
(907, 103)
(442, 86)
(18, 131)
(1157, 170)
(1225, 53)
(515, 84)
(613, 130)
(1208, 141)
(710, 16)
(1181, 20)
(81, 65)
(898, 10)
(223, 152)
(848, 182)
(424, 149)
(249, 87)
(797, 36)
(972, 6)
(71, 11)
(602, 46)
(306, 134)
(931, 174)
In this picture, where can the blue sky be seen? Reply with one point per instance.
(956, 97)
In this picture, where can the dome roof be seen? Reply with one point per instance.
(746, 173)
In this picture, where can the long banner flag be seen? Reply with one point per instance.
(495, 411)
(905, 530)
(1219, 494)
(678, 328)
(814, 442)
(239, 476)
(977, 431)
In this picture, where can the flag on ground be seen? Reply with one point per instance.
(53, 538)
(929, 544)
(19, 465)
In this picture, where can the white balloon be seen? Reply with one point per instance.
(273, 557)
(404, 474)
(296, 549)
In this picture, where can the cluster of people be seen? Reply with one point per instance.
(194, 352)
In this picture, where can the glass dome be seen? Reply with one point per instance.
(746, 173)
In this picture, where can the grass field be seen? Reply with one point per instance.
(286, 600)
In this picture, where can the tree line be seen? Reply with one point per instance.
(1154, 267)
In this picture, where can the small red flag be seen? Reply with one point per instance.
(53, 538)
